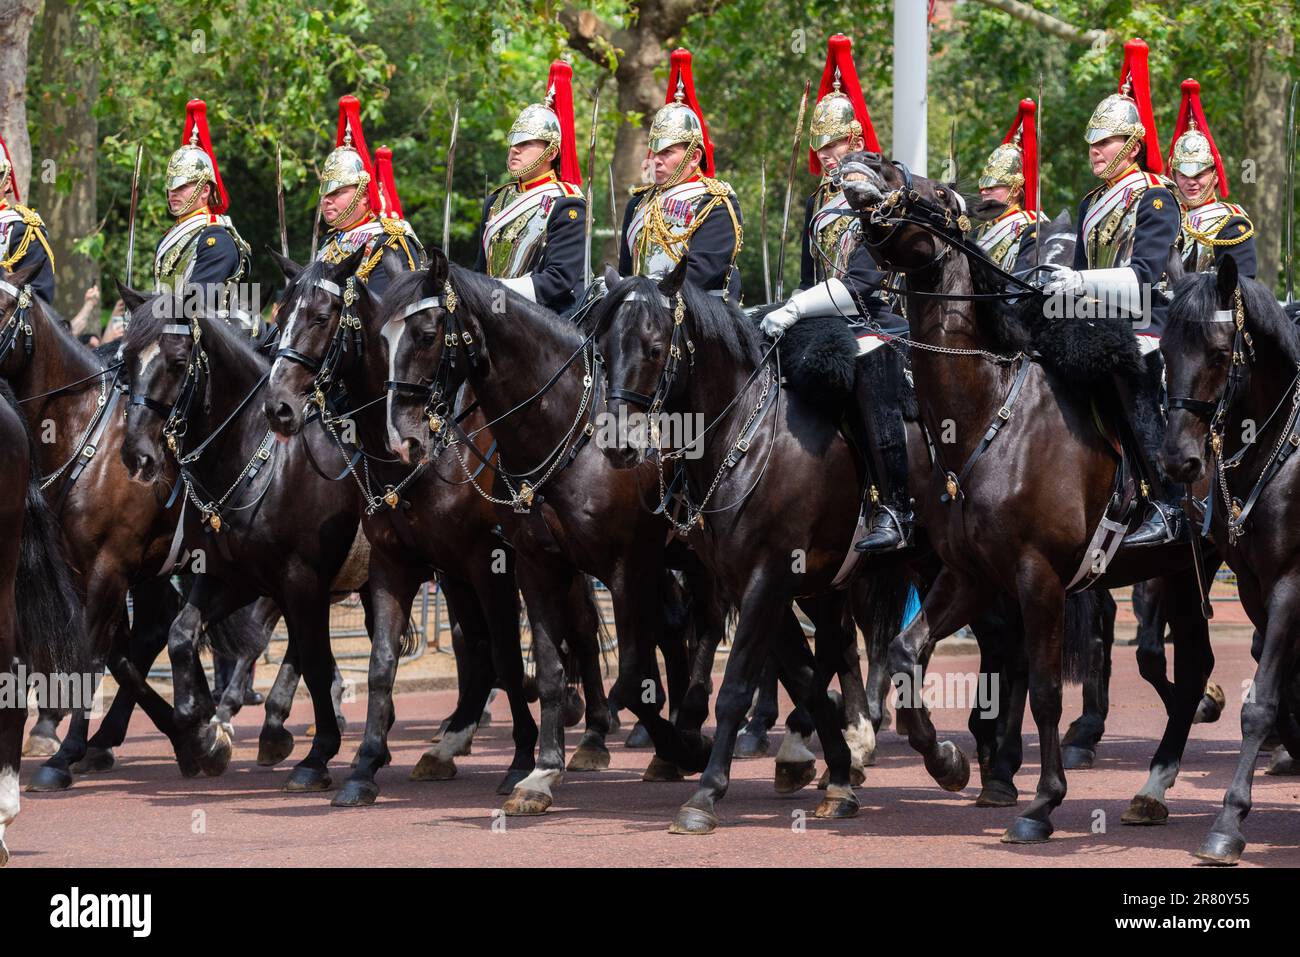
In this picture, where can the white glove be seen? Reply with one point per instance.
(1064, 281)
(522, 285)
(829, 298)
(779, 320)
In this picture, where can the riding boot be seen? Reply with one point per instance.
(879, 391)
(1139, 400)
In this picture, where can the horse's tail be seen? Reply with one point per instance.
(51, 619)
(1087, 616)
(880, 595)
(604, 638)
(238, 635)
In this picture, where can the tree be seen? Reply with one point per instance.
(16, 20)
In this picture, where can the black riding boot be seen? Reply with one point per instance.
(879, 391)
(1163, 520)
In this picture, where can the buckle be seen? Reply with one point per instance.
(742, 445)
(88, 451)
(1004, 414)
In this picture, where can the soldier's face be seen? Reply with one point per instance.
(333, 204)
(831, 154)
(525, 154)
(1199, 187)
(997, 194)
(664, 163)
(178, 198)
(1101, 153)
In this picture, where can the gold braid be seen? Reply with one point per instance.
(1205, 239)
(657, 228)
(21, 250)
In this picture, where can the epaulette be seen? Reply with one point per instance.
(393, 227)
(716, 187)
(1154, 180)
(570, 189)
(30, 216)
(1236, 210)
(498, 189)
(638, 190)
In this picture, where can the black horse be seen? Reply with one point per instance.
(1233, 365)
(195, 385)
(1017, 496)
(418, 520)
(41, 621)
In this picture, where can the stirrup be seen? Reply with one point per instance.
(890, 530)
(1162, 525)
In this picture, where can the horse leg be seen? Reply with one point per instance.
(859, 732)
(749, 653)
(592, 754)
(1259, 713)
(13, 716)
(308, 619)
(1079, 745)
(1193, 662)
(247, 621)
(752, 742)
(43, 739)
(275, 742)
(1148, 606)
(796, 765)
(675, 641)
(1042, 606)
(837, 640)
(998, 734)
(709, 618)
(438, 763)
(392, 588)
(949, 604)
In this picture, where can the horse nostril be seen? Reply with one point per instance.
(142, 463)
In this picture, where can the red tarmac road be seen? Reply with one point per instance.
(145, 813)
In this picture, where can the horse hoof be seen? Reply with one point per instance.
(659, 770)
(998, 794)
(433, 768)
(792, 776)
(953, 773)
(305, 778)
(1027, 830)
(1145, 810)
(638, 737)
(185, 761)
(356, 794)
(273, 747)
(40, 746)
(1281, 764)
(838, 804)
(1221, 850)
(589, 758)
(525, 802)
(512, 779)
(573, 708)
(856, 778)
(48, 778)
(1211, 706)
(1077, 759)
(96, 761)
(217, 750)
(752, 745)
(464, 748)
(693, 820)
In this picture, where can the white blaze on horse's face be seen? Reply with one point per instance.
(147, 355)
(392, 332)
(287, 335)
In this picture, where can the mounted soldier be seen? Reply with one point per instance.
(359, 204)
(1127, 229)
(23, 240)
(1211, 228)
(685, 212)
(202, 250)
(532, 236)
(838, 277)
(1008, 204)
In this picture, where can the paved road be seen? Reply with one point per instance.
(144, 813)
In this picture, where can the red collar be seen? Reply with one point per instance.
(547, 177)
(364, 219)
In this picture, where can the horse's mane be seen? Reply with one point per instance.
(1196, 298)
(148, 319)
(57, 323)
(713, 318)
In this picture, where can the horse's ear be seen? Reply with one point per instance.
(671, 284)
(132, 299)
(24, 275)
(288, 267)
(1227, 281)
(612, 278)
(437, 273)
(394, 262)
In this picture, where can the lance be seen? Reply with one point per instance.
(789, 190)
(613, 204)
(130, 223)
(1290, 188)
(762, 227)
(451, 159)
(952, 153)
(590, 223)
(279, 203)
(1038, 179)
(315, 232)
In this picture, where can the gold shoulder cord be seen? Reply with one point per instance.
(656, 227)
(1206, 239)
(32, 221)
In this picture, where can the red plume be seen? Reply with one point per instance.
(1135, 70)
(1027, 126)
(196, 117)
(839, 53)
(561, 80)
(350, 119)
(13, 173)
(384, 167)
(1191, 109)
(680, 67)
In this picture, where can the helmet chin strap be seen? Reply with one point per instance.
(345, 217)
(193, 203)
(679, 173)
(1120, 157)
(545, 159)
